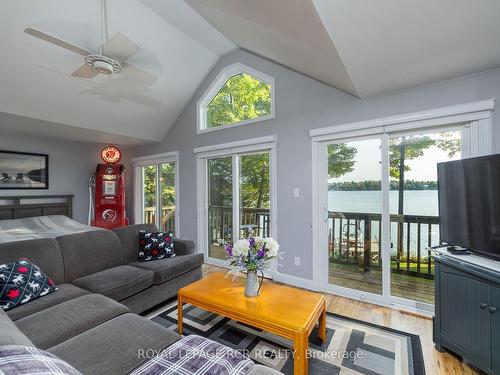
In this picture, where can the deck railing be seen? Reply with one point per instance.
(167, 221)
(356, 238)
(353, 238)
(220, 223)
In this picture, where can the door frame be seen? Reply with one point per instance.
(234, 150)
(476, 138)
(155, 159)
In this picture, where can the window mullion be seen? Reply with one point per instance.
(236, 197)
(143, 212)
(386, 218)
(158, 196)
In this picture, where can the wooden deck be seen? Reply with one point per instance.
(217, 252)
(411, 287)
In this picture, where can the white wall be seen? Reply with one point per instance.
(303, 104)
(70, 165)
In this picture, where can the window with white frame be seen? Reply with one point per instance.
(156, 191)
(375, 200)
(239, 95)
(235, 193)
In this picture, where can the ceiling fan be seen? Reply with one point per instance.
(111, 58)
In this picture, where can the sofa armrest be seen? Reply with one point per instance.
(263, 370)
(183, 247)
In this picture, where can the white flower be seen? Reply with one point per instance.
(273, 246)
(241, 247)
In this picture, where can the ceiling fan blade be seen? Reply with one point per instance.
(85, 71)
(58, 72)
(120, 47)
(137, 75)
(58, 42)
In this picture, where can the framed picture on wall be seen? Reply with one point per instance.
(22, 170)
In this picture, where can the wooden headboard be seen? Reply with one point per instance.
(17, 207)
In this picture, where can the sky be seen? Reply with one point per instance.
(13, 163)
(368, 165)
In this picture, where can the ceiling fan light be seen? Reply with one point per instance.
(103, 64)
(103, 67)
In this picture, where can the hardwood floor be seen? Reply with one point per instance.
(435, 362)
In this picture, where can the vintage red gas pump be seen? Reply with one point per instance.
(109, 194)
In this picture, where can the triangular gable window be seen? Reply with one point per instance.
(239, 95)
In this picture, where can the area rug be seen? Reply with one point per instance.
(352, 346)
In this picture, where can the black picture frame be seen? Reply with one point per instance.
(23, 170)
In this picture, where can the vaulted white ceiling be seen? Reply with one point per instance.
(177, 45)
(363, 47)
(392, 44)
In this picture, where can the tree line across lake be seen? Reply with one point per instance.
(373, 185)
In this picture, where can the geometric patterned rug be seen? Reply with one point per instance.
(352, 346)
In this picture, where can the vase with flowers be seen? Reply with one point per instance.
(252, 255)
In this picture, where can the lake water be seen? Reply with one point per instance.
(416, 202)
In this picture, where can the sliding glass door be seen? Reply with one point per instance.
(254, 200)
(220, 205)
(414, 208)
(156, 194)
(378, 212)
(238, 199)
(354, 215)
(149, 193)
(167, 196)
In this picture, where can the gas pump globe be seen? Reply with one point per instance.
(107, 191)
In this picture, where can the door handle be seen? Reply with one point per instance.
(325, 214)
(492, 309)
(483, 305)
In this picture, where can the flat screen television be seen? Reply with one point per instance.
(469, 204)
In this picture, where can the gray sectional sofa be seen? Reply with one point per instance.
(105, 262)
(91, 321)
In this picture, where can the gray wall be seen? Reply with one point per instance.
(70, 166)
(303, 104)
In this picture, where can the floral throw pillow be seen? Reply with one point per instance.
(22, 281)
(155, 245)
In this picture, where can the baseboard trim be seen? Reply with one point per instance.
(293, 280)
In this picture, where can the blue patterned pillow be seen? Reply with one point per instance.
(24, 360)
(22, 281)
(155, 245)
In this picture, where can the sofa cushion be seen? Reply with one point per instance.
(89, 252)
(116, 346)
(117, 282)
(10, 334)
(28, 360)
(158, 294)
(169, 268)
(59, 323)
(64, 292)
(21, 282)
(129, 239)
(44, 252)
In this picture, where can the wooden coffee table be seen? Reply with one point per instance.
(288, 312)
